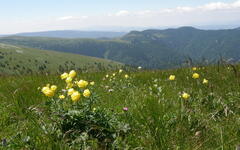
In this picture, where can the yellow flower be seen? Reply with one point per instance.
(48, 93)
(205, 81)
(171, 77)
(45, 89)
(61, 96)
(94, 109)
(71, 91)
(194, 68)
(195, 76)
(92, 83)
(69, 85)
(72, 73)
(82, 83)
(185, 95)
(75, 96)
(69, 79)
(113, 74)
(64, 75)
(126, 76)
(120, 71)
(54, 87)
(107, 76)
(86, 93)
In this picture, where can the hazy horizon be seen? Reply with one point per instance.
(129, 29)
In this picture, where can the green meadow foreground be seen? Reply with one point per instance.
(187, 109)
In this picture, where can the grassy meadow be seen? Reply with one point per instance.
(153, 110)
(22, 60)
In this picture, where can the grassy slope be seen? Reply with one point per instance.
(19, 60)
(159, 118)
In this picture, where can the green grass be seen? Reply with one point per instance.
(22, 60)
(158, 117)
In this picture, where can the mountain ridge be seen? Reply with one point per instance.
(151, 48)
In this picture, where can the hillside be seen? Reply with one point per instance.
(192, 42)
(21, 60)
(150, 48)
(148, 55)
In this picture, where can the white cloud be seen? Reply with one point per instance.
(145, 12)
(184, 9)
(216, 6)
(122, 13)
(163, 12)
(64, 18)
(84, 17)
(180, 9)
(217, 13)
(221, 6)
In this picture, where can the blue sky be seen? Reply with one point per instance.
(30, 15)
(29, 8)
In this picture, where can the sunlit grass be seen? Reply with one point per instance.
(159, 114)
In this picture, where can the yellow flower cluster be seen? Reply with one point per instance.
(48, 90)
(112, 76)
(185, 95)
(75, 95)
(68, 77)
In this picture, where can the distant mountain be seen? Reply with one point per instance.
(22, 60)
(73, 34)
(218, 27)
(238, 28)
(149, 48)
